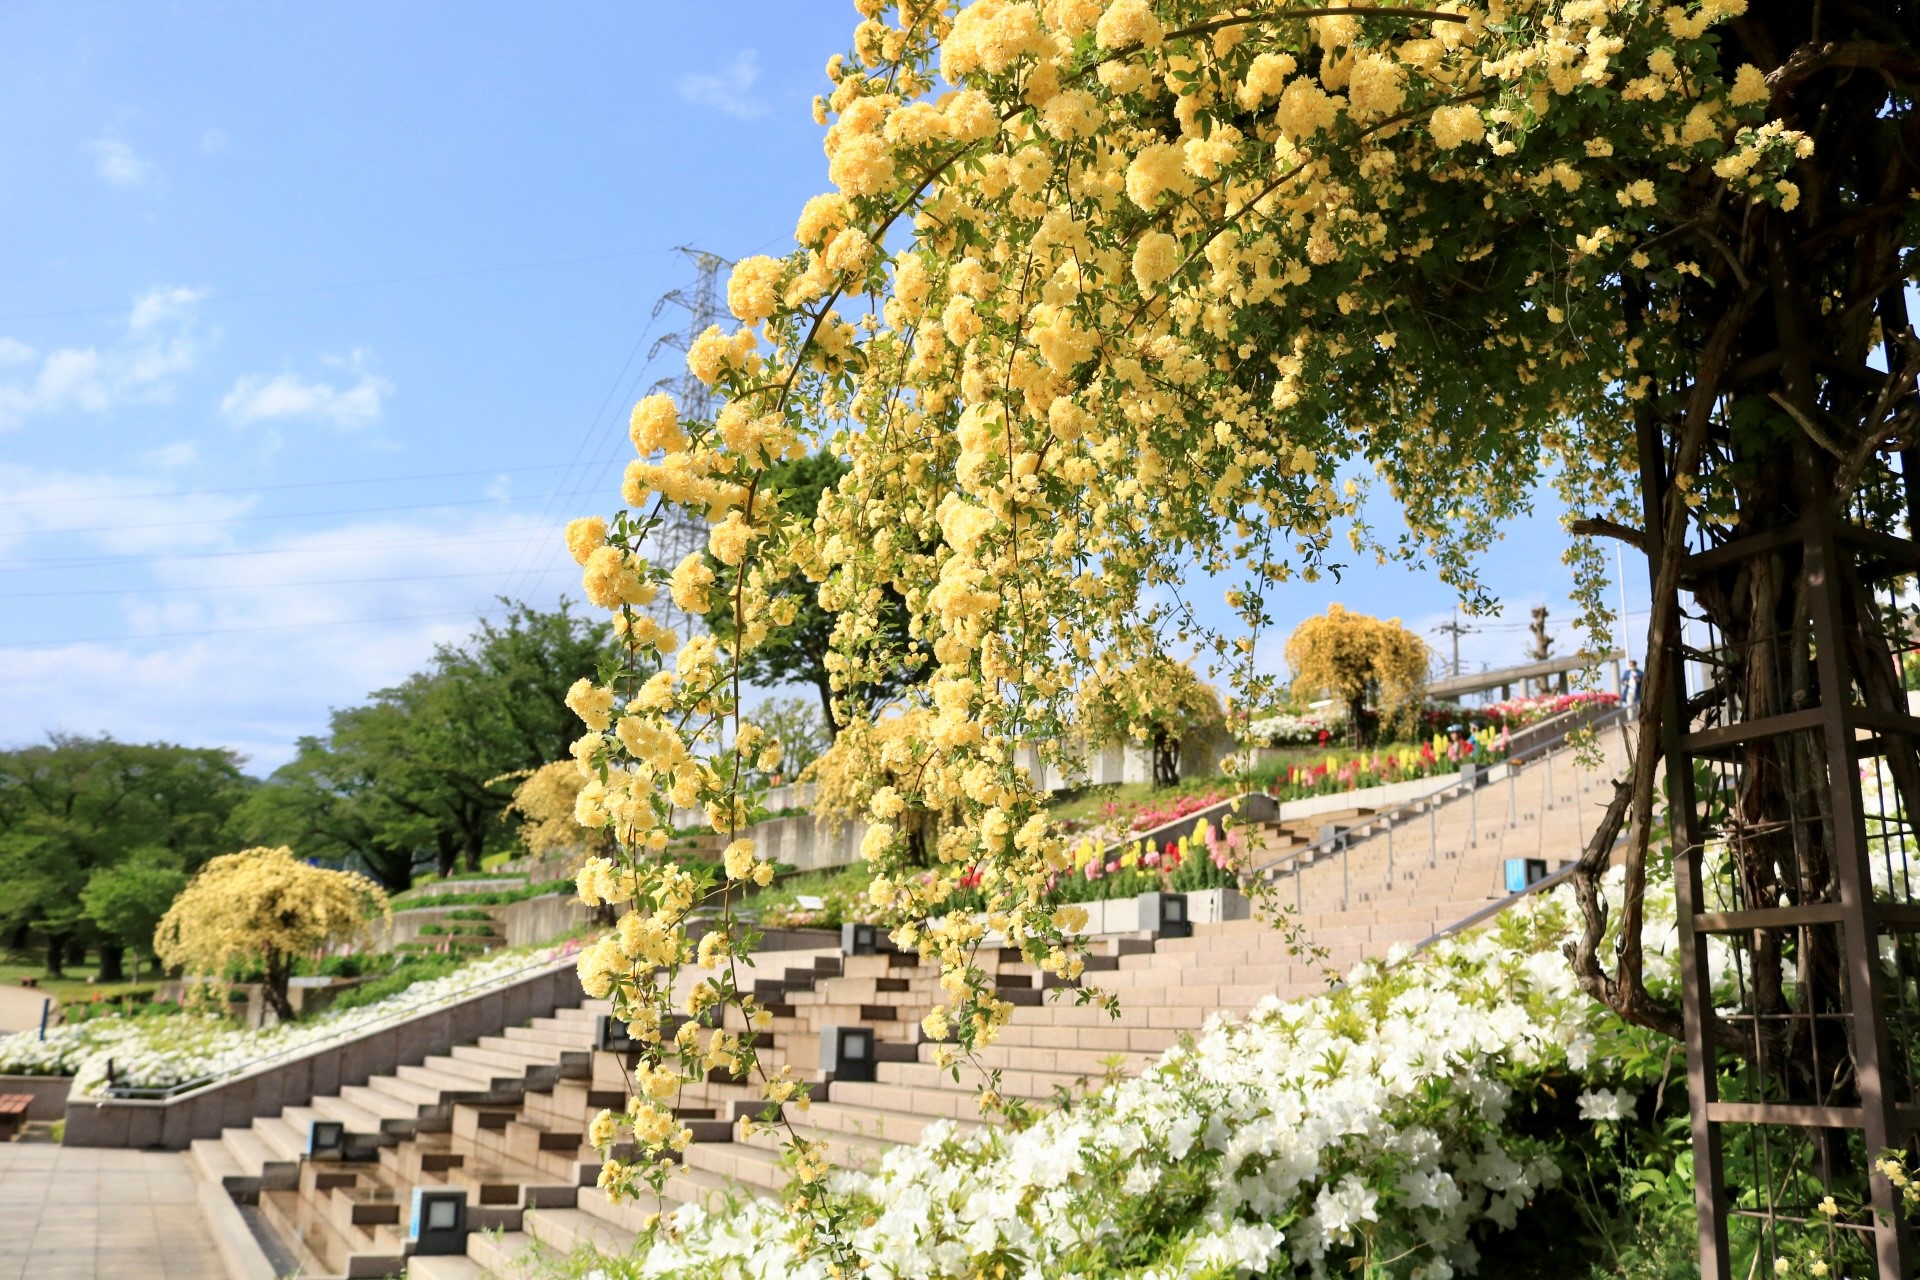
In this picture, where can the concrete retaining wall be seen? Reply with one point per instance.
(175, 1122)
(49, 1094)
(1204, 906)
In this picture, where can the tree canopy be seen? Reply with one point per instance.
(76, 808)
(1158, 701)
(263, 906)
(1152, 296)
(425, 769)
(1358, 659)
(800, 649)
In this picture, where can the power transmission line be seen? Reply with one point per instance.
(168, 557)
(297, 290)
(233, 631)
(243, 586)
(277, 488)
(285, 515)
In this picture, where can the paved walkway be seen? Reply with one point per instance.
(20, 1008)
(89, 1213)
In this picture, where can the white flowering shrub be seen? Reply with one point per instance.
(1285, 729)
(157, 1053)
(1390, 1127)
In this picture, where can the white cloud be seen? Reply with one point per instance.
(119, 165)
(252, 651)
(68, 514)
(167, 456)
(159, 343)
(259, 398)
(730, 91)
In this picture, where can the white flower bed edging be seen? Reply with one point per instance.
(350, 1048)
(160, 1052)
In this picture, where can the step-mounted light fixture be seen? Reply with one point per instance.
(1522, 872)
(326, 1139)
(846, 1053)
(859, 939)
(611, 1034)
(438, 1224)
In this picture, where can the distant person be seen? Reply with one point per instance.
(1630, 686)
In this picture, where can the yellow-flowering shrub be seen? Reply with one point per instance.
(1138, 299)
(546, 800)
(263, 906)
(1355, 658)
(1157, 700)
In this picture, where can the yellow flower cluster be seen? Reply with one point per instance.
(1130, 296)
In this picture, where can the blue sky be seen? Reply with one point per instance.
(318, 321)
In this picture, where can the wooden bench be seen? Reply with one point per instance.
(13, 1112)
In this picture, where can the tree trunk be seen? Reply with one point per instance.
(1356, 713)
(112, 957)
(446, 854)
(1166, 759)
(279, 970)
(476, 849)
(77, 953)
(21, 933)
(57, 954)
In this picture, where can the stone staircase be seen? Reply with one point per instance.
(504, 1118)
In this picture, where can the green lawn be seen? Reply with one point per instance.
(73, 987)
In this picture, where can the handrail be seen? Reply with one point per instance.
(1367, 827)
(552, 961)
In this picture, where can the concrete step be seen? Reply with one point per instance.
(407, 1091)
(498, 1255)
(567, 1229)
(214, 1161)
(445, 1267)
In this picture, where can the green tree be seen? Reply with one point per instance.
(74, 806)
(800, 730)
(800, 651)
(421, 770)
(126, 901)
(327, 802)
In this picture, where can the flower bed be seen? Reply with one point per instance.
(159, 1053)
(1287, 729)
(1410, 1115)
(1517, 713)
(1341, 771)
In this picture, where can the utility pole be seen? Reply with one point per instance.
(1455, 629)
(679, 534)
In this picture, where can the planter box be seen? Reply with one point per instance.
(49, 1094)
(1204, 906)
